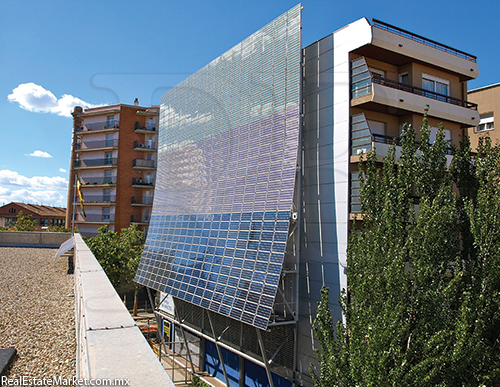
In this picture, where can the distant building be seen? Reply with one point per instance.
(258, 183)
(114, 157)
(488, 101)
(45, 216)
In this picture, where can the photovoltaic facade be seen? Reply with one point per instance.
(226, 176)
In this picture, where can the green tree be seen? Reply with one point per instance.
(24, 222)
(422, 307)
(119, 255)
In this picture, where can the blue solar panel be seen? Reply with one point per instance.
(228, 145)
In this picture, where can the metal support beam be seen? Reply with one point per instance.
(184, 339)
(218, 349)
(264, 357)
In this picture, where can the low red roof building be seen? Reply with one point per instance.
(45, 216)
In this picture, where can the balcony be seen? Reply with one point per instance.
(372, 90)
(98, 180)
(363, 141)
(97, 218)
(422, 40)
(144, 129)
(418, 91)
(142, 201)
(96, 145)
(97, 126)
(142, 184)
(404, 46)
(143, 164)
(145, 147)
(96, 163)
(97, 199)
(139, 219)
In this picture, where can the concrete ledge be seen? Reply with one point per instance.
(33, 239)
(109, 343)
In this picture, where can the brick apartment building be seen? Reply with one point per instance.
(44, 216)
(114, 157)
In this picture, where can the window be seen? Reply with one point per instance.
(432, 136)
(486, 122)
(109, 139)
(12, 210)
(108, 158)
(435, 85)
(377, 73)
(110, 122)
(105, 214)
(404, 78)
(376, 127)
(106, 195)
(150, 123)
(148, 178)
(107, 177)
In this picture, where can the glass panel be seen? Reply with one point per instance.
(223, 169)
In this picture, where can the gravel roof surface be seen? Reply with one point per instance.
(37, 313)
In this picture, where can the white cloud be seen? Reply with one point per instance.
(39, 153)
(46, 197)
(46, 190)
(35, 98)
(12, 178)
(62, 170)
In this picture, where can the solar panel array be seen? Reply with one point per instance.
(226, 174)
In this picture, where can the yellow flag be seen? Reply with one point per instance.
(80, 195)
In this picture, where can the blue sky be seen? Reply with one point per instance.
(55, 54)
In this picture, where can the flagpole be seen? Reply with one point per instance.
(74, 204)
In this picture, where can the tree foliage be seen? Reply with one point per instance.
(24, 222)
(119, 255)
(423, 271)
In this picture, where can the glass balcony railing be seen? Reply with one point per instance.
(105, 218)
(96, 199)
(146, 145)
(95, 162)
(142, 163)
(139, 181)
(89, 127)
(142, 200)
(97, 180)
(96, 144)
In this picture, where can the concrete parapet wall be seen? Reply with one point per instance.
(109, 343)
(33, 238)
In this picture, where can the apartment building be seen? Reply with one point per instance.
(488, 100)
(114, 158)
(258, 183)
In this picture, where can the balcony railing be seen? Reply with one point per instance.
(140, 182)
(139, 219)
(144, 163)
(98, 218)
(98, 126)
(142, 200)
(107, 199)
(419, 91)
(148, 145)
(97, 144)
(148, 127)
(97, 180)
(369, 141)
(95, 162)
(422, 40)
